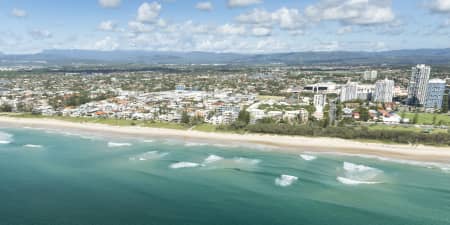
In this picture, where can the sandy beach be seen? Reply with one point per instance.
(292, 144)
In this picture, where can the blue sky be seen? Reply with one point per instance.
(246, 26)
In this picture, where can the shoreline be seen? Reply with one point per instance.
(289, 144)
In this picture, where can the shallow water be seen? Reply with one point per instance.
(71, 179)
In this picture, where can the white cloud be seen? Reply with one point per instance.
(285, 18)
(138, 27)
(344, 30)
(107, 25)
(109, 3)
(204, 6)
(256, 16)
(19, 12)
(40, 34)
(440, 6)
(289, 19)
(360, 12)
(242, 3)
(148, 12)
(231, 29)
(106, 44)
(261, 31)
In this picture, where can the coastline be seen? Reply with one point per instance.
(289, 144)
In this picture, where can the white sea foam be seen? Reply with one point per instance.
(212, 159)
(429, 165)
(32, 146)
(308, 157)
(116, 144)
(285, 180)
(149, 156)
(356, 168)
(180, 165)
(247, 161)
(349, 181)
(148, 141)
(359, 174)
(223, 146)
(192, 144)
(5, 138)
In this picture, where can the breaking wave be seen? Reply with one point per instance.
(32, 146)
(116, 144)
(212, 159)
(348, 181)
(149, 156)
(192, 144)
(354, 174)
(308, 157)
(285, 180)
(180, 165)
(5, 138)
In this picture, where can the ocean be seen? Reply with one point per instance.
(56, 178)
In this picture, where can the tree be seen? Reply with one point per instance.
(434, 119)
(363, 114)
(185, 118)
(244, 116)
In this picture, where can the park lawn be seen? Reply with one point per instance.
(205, 128)
(106, 121)
(402, 128)
(268, 97)
(427, 118)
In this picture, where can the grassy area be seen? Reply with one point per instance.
(112, 122)
(403, 128)
(427, 118)
(268, 97)
(205, 128)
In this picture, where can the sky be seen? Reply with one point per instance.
(242, 26)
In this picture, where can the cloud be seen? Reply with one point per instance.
(285, 18)
(40, 34)
(106, 44)
(256, 16)
(231, 29)
(439, 6)
(109, 3)
(204, 6)
(19, 12)
(242, 3)
(344, 30)
(107, 25)
(261, 31)
(359, 12)
(148, 12)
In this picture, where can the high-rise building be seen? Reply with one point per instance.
(417, 89)
(349, 92)
(384, 91)
(435, 94)
(319, 101)
(370, 75)
(365, 91)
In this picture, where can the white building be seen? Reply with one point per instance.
(384, 91)
(326, 88)
(417, 89)
(370, 75)
(320, 101)
(435, 94)
(349, 92)
(365, 91)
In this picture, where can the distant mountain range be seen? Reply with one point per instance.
(71, 57)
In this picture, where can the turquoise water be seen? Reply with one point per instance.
(49, 178)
